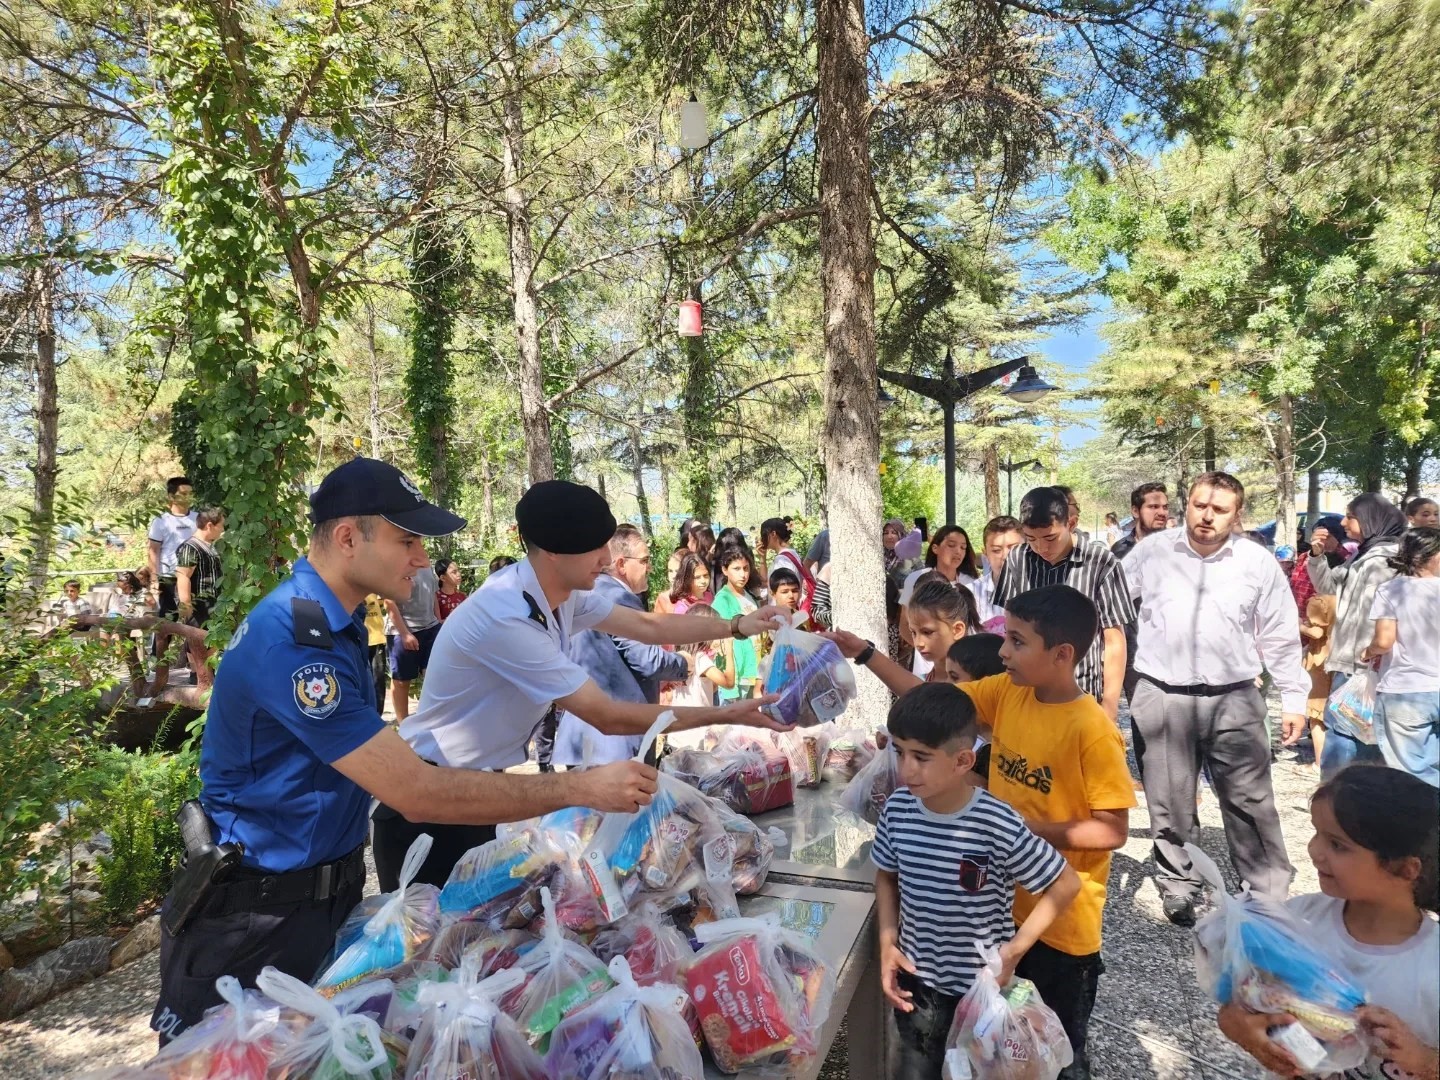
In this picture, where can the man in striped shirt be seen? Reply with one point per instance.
(947, 859)
(1050, 555)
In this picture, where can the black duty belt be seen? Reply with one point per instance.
(1199, 690)
(253, 888)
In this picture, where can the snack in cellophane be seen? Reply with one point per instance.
(464, 1033)
(745, 773)
(805, 748)
(814, 681)
(400, 929)
(403, 1011)
(635, 1031)
(562, 976)
(761, 993)
(655, 950)
(850, 751)
(498, 883)
(873, 785)
(332, 1038)
(1252, 951)
(1004, 1034)
(234, 1041)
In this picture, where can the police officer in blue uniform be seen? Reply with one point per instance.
(294, 749)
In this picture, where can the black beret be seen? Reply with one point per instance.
(564, 518)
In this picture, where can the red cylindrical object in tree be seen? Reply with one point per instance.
(692, 323)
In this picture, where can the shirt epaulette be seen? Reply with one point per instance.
(536, 613)
(311, 628)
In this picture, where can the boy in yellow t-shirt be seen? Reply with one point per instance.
(1058, 759)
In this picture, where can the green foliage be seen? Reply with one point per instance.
(143, 794)
(910, 490)
(437, 272)
(185, 424)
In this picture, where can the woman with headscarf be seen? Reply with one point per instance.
(1376, 525)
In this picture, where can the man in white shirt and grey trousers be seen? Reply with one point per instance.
(1215, 609)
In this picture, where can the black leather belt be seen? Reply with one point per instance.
(1200, 690)
(255, 888)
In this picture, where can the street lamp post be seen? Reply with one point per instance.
(951, 389)
(1010, 466)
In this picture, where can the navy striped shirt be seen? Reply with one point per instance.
(957, 875)
(1090, 568)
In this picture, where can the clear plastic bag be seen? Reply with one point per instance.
(405, 1009)
(562, 976)
(873, 785)
(464, 1032)
(805, 749)
(746, 773)
(335, 1040)
(1004, 1034)
(633, 1031)
(814, 681)
(1351, 707)
(761, 993)
(234, 1041)
(850, 751)
(1251, 951)
(651, 943)
(399, 931)
(496, 949)
(498, 883)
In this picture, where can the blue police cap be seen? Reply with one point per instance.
(364, 487)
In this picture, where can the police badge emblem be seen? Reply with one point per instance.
(317, 690)
(409, 485)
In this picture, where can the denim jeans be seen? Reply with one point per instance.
(1407, 729)
(924, 1029)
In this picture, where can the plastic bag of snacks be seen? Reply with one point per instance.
(805, 749)
(562, 976)
(234, 1041)
(814, 681)
(761, 993)
(334, 1041)
(498, 883)
(745, 773)
(1251, 951)
(1008, 1034)
(400, 930)
(873, 785)
(633, 1031)
(850, 751)
(464, 1033)
(651, 943)
(1351, 707)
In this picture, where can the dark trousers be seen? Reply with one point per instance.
(1068, 984)
(543, 741)
(924, 1029)
(380, 672)
(295, 938)
(1175, 735)
(391, 837)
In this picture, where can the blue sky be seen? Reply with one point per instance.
(1075, 348)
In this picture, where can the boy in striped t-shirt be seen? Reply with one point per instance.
(947, 859)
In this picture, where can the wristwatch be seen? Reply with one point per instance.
(865, 654)
(735, 629)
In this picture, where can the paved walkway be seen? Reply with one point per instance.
(1151, 1019)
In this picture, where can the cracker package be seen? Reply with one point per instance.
(761, 993)
(814, 681)
(334, 1039)
(465, 1034)
(1253, 952)
(1004, 1034)
(375, 939)
(633, 1031)
(561, 977)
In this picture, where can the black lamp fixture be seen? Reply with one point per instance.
(1028, 386)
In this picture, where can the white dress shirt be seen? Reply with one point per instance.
(497, 666)
(1215, 620)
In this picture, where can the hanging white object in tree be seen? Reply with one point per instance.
(694, 131)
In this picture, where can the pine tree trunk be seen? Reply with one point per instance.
(637, 470)
(374, 399)
(539, 453)
(698, 419)
(1375, 464)
(47, 403)
(664, 489)
(1285, 472)
(1312, 495)
(1210, 448)
(732, 513)
(990, 463)
(1414, 459)
(487, 500)
(851, 432)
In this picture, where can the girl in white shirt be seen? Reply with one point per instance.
(710, 668)
(1374, 849)
(1406, 610)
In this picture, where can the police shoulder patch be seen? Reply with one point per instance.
(317, 690)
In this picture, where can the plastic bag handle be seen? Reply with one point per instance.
(288, 990)
(767, 923)
(663, 721)
(1208, 871)
(248, 1024)
(656, 996)
(409, 870)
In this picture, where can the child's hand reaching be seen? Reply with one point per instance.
(1402, 1047)
(1250, 1032)
(892, 961)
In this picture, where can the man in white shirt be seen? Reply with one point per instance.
(500, 663)
(1215, 610)
(167, 533)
